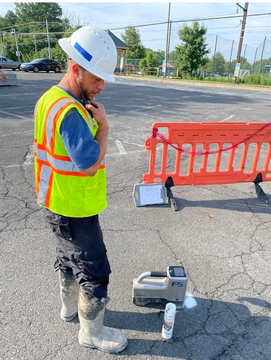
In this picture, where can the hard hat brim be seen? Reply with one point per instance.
(69, 49)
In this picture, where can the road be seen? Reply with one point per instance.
(221, 233)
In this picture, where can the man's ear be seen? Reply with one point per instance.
(76, 70)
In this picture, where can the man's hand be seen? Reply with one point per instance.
(101, 137)
(99, 113)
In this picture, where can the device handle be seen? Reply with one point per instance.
(151, 273)
(159, 273)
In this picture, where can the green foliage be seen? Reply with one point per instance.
(143, 62)
(29, 24)
(151, 60)
(131, 37)
(59, 55)
(191, 54)
(160, 56)
(8, 20)
(173, 55)
(38, 12)
(217, 64)
(11, 18)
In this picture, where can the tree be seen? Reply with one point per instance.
(229, 67)
(151, 60)
(131, 37)
(160, 55)
(173, 55)
(245, 65)
(217, 64)
(39, 12)
(11, 18)
(30, 22)
(191, 54)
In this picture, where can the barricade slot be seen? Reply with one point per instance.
(157, 158)
(250, 164)
(259, 156)
(185, 164)
(227, 158)
(171, 160)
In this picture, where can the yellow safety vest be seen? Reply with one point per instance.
(60, 186)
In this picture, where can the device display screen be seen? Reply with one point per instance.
(179, 271)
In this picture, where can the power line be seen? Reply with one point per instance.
(192, 20)
(101, 8)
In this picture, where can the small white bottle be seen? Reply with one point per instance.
(169, 318)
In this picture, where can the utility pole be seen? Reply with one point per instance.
(167, 41)
(17, 45)
(237, 67)
(48, 39)
(242, 31)
(230, 57)
(213, 68)
(35, 40)
(3, 44)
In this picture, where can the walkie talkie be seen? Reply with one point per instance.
(85, 101)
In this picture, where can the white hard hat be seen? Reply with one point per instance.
(94, 50)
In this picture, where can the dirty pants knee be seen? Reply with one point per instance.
(80, 248)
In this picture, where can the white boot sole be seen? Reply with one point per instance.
(113, 351)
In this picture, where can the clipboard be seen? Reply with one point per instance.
(149, 194)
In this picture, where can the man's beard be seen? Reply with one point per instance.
(82, 89)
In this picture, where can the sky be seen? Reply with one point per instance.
(222, 34)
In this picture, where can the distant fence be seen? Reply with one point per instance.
(153, 71)
(256, 60)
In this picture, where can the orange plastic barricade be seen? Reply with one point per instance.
(9, 79)
(3, 77)
(209, 153)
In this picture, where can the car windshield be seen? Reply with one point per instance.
(36, 61)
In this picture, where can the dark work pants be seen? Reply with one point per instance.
(80, 248)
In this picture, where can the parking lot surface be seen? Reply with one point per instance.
(221, 234)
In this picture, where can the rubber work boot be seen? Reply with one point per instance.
(93, 333)
(69, 291)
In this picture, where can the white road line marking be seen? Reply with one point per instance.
(131, 143)
(133, 110)
(228, 118)
(120, 147)
(19, 116)
(19, 132)
(126, 153)
(25, 106)
(10, 166)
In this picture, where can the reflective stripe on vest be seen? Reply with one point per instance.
(53, 115)
(57, 164)
(61, 164)
(44, 185)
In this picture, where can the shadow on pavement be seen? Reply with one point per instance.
(204, 330)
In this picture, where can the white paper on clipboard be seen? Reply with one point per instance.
(149, 194)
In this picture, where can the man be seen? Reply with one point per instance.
(71, 185)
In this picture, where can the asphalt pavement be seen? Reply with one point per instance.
(221, 234)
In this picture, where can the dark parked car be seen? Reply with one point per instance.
(42, 65)
(6, 63)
